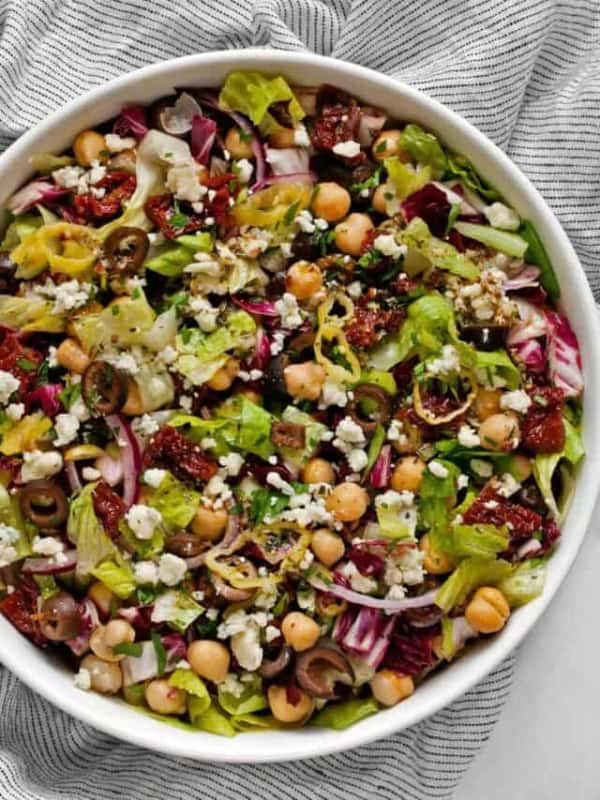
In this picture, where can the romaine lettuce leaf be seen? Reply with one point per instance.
(116, 577)
(251, 699)
(417, 236)
(123, 324)
(253, 94)
(434, 500)
(468, 576)
(86, 532)
(255, 429)
(460, 167)
(19, 228)
(510, 243)
(526, 582)
(209, 719)
(536, 254)
(342, 715)
(170, 259)
(499, 369)
(405, 178)
(189, 682)
(30, 314)
(313, 432)
(545, 464)
(10, 515)
(424, 148)
(483, 541)
(176, 502)
(177, 609)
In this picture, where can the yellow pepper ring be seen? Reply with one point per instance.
(63, 246)
(269, 206)
(430, 418)
(332, 333)
(341, 299)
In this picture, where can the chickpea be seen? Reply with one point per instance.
(486, 403)
(224, 377)
(379, 199)
(283, 710)
(165, 699)
(284, 137)
(300, 631)
(134, 404)
(209, 523)
(238, 144)
(350, 234)
(209, 659)
(317, 470)
(387, 144)
(304, 380)
(408, 474)
(434, 562)
(390, 687)
(106, 678)
(89, 146)
(347, 502)
(521, 467)
(103, 598)
(488, 610)
(71, 356)
(303, 280)
(500, 432)
(331, 201)
(327, 546)
(105, 637)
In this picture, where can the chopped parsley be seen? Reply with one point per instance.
(372, 182)
(178, 219)
(161, 653)
(27, 365)
(70, 394)
(134, 649)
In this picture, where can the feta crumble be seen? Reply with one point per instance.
(171, 569)
(503, 217)
(437, 469)
(38, 465)
(518, 401)
(387, 245)
(66, 427)
(347, 149)
(467, 437)
(8, 385)
(143, 521)
(287, 308)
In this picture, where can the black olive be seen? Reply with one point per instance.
(485, 337)
(304, 248)
(273, 377)
(8, 282)
(125, 250)
(103, 387)
(383, 403)
(157, 110)
(44, 503)
(60, 617)
(185, 545)
(529, 495)
(329, 170)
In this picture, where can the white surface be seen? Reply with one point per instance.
(54, 682)
(545, 746)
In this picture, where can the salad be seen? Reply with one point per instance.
(289, 412)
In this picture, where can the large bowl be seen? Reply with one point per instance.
(53, 680)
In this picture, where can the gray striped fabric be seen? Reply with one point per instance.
(527, 72)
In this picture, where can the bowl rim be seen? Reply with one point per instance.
(316, 742)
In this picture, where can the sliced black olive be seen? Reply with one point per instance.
(104, 387)
(529, 495)
(314, 670)
(60, 617)
(185, 545)
(273, 377)
(423, 617)
(485, 337)
(271, 668)
(382, 400)
(8, 282)
(125, 250)
(304, 247)
(44, 503)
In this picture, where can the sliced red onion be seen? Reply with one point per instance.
(89, 621)
(177, 120)
(564, 356)
(263, 308)
(370, 124)
(73, 477)
(37, 191)
(47, 397)
(288, 160)
(232, 531)
(131, 457)
(528, 549)
(111, 469)
(204, 131)
(262, 353)
(48, 565)
(132, 120)
(392, 606)
(382, 469)
(526, 278)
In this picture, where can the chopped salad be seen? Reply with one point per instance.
(289, 412)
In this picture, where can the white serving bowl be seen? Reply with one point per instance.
(46, 675)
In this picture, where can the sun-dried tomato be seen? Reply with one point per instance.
(20, 361)
(119, 186)
(368, 322)
(288, 434)
(19, 608)
(181, 456)
(411, 652)
(160, 210)
(550, 535)
(404, 285)
(337, 122)
(109, 507)
(490, 508)
(543, 429)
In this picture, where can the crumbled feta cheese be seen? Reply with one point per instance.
(15, 411)
(8, 385)
(184, 181)
(357, 460)
(482, 468)
(503, 217)
(507, 485)
(447, 363)
(51, 358)
(47, 546)
(212, 614)
(333, 394)
(395, 432)
(143, 521)
(275, 480)
(217, 492)
(307, 559)
(359, 583)
(243, 170)
(125, 362)
(393, 498)
(66, 427)
(386, 243)
(304, 220)
(406, 567)
(272, 633)
(437, 469)
(347, 149)
(83, 679)
(186, 402)
(68, 177)
(301, 137)
(116, 143)
(144, 425)
(354, 289)
(9, 536)
(467, 436)
(232, 463)
(348, 432)
(154, 477)
(307, 509)
(168, 355)
(38, 464)
(518, 401)
(232, 685)
(171, 569)
(462, 481)
(90, 474)
(145, 573)
(207, 442)
(79, 409)
(396, 592)
(287, 308)
(66, 296)
(277, 343)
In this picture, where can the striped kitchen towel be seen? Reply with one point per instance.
(527, 72)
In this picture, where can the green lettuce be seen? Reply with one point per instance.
(47, 585)
(176, 502)
(10, 515)
(171, 258)
(468, 576)
(224, 431)
(30, 314)
(545, 465)
(482, 541)
(418, 238)
(405, 178)
(255, 429)
(424, 148)
(255, 722)
(19, 229)
(123, 324)
(380, 378)
(342, 715)
(498, 366)
(86, 532)
(435, 496)
(536, 254)
(143, 548)
(396, 521)
(251, 699)
(460, 167)
(510, 243)
(209, 719)
(253, 94)
(177, 608)
(189, 682)
(313, 431)
(116, 577)
(526, 582)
